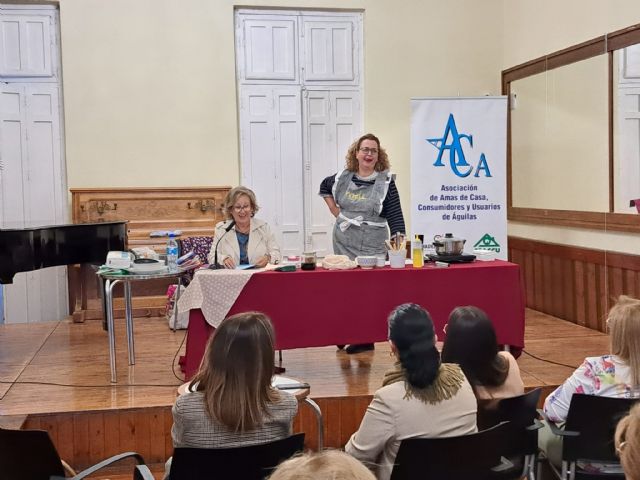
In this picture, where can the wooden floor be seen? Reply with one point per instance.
(56, 376)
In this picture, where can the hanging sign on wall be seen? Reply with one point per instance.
(458, 170)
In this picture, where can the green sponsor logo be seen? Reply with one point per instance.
(487, 242)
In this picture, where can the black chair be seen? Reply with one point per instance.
(587, 436)
(478, 456)
(31, 455)
(255, 462)
(522, 412)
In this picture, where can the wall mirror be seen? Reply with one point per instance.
(574, 135)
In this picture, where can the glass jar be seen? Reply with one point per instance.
(309, 260)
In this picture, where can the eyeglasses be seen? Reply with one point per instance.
(369, 151)
(239, 208)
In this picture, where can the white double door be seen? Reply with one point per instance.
(32, 168)
(292, 138)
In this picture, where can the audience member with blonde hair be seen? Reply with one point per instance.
(327, 465)
(230, 401)
(613, 375)
(627, 440)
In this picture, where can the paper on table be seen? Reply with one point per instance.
(280, 381)
(245, 267)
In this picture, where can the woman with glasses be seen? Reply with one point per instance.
(243, 239)
(364, 199)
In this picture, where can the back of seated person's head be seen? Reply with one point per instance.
(326, 465)
(471, 342)
(627, 440)
(236, 370)
(624, 333)
(413, 339)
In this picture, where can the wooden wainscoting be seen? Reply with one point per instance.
(193, 210)
(574, 283)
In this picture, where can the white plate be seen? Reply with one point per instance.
(148, 269)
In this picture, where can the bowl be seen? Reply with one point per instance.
(366, 261)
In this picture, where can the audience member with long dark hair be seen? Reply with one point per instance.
(471, 342)
(421, 397)
(230, 402)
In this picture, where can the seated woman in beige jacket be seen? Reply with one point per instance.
(420, 398)
(471, 342)
(243, 239)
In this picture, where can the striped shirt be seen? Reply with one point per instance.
(391, 208)
(192, 426)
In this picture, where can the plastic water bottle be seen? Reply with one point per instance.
(172, 253)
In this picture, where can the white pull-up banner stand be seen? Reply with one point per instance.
(458, 170)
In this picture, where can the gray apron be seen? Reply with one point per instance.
(359, 229)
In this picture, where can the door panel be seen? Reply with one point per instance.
(333, 123)
(268, 49)
(271, 158)
(32, 192)
(25, 48)
(329, 50)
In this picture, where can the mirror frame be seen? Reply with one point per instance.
(605, 44)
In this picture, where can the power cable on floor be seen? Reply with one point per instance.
(549, 361)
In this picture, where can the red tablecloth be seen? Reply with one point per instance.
(325, 307)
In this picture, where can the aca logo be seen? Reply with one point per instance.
(452, 141)
(487, 242)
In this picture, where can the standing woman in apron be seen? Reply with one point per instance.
(364, 199)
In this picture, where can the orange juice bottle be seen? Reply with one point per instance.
(418, 255)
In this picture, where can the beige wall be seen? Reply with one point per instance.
(149, 85)
(535, 28)
(150, 82)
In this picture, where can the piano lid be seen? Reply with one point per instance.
(24, 249)
(46, 224)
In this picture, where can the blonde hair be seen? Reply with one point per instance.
(627, 440)
(327, 465)
(232, 198)
(624, 328)
(236, 370)
(352, 161)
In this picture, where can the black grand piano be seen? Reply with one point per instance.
(32, 248)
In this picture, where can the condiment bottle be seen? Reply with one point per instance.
(418, 254)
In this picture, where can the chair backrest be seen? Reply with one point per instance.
(520, 410)
(199, 245)
(595, 418)
(254, 462)
(28, 455)
(452, 458)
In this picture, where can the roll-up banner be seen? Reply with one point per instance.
(458, 170)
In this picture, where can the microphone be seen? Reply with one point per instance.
(216, 265)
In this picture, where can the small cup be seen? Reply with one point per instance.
(397, 258)
(380, 259)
